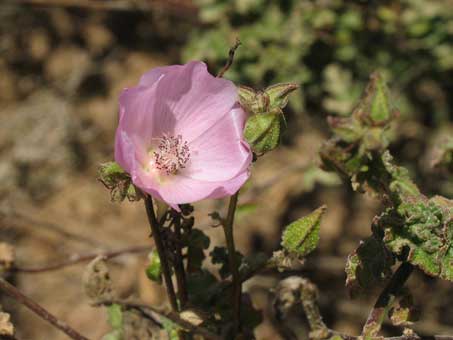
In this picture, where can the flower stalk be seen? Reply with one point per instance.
(155, 230)
(178, 263)
(234, 268)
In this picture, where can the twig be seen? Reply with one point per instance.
(309, 296)
(385, 299)
(230, 59)
(173, 316)
(39, 310)
(180, 272)
(77, 258)
(155, 230)
(234, 269)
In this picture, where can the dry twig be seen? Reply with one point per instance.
(230, 59)
(16, 294)
(75, 259)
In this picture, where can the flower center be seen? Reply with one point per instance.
(172, 154)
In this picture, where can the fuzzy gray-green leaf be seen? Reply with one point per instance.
(302, 236)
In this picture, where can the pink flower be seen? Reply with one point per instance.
(180, 135)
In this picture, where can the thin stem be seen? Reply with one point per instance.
(234, 269)
(155, 230)
(75, 259)
(180, 272)
(230, 59)
(385, 299)
(39, 310)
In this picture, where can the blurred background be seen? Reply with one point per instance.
(63, 64)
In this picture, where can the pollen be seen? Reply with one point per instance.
(171, 155)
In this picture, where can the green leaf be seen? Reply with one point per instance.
(262, 132)
(219, 255)
(421, 231)
(368, 265)
(302, 236)
(202, 287)
(154, 268)
(400, 182)
(115, 316)
(199, 239)
(197, 243)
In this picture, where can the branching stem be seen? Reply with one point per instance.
(156, 233)
(385, 299)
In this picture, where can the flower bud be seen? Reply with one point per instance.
(263, 127)
(262, 132)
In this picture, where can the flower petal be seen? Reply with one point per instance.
(139, 117)
(220, 153)
(195, 98)
(182, 189)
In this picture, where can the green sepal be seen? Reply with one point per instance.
(253, 101)
(262, 132)
(118, 182)
(279, 95)
(380, 108)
